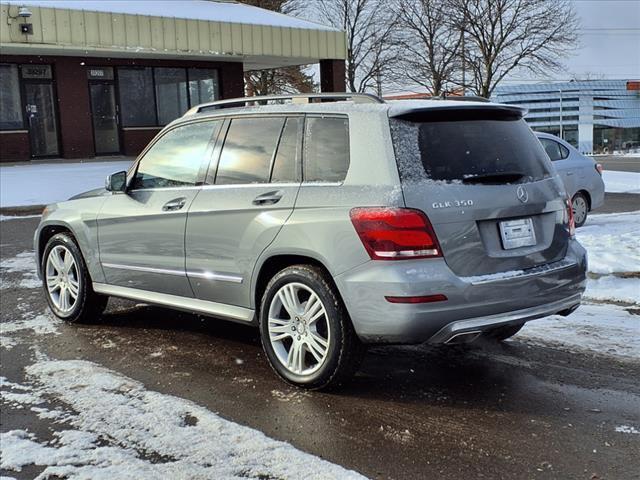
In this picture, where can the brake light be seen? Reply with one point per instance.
(569, 220)
(599, 168)
(395, 233)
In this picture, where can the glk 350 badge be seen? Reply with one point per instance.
(452, 204)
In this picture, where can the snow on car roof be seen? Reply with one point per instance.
(210, 10)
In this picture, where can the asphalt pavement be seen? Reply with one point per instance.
(620, 164)
(507, 411)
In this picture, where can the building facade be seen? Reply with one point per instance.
(83, 79)
(596, 116)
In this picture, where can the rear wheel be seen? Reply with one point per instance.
(502, 333)
(67, 283)
(306, 331)
(580, 206)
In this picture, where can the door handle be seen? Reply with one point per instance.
(174, 205)
(569, 173)
(269, 198)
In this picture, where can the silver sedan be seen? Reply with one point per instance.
(581, 175)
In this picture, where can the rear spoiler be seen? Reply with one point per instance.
(459, 110)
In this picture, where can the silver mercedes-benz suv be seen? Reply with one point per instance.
(330, 221)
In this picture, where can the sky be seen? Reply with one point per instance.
(609, 40)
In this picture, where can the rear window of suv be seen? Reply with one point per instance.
(468, 146)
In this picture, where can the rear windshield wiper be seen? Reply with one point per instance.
(497, 177)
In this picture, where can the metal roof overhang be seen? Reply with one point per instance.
(63, 31)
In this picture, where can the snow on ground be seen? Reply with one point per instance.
(613, 242)
(113, 427)
(608, 329)
(24, 264)
(621, 182)
(613, 246)
(45, 183)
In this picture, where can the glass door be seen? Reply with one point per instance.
(41, 114)
(105, 118)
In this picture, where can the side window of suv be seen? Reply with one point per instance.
(554, 149)
(248, 150)
(326, 149)
(175, 159)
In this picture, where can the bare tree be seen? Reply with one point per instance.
(279, 80)
(368, 25)
(503, 36)
(427, 44)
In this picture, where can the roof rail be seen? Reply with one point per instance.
(297, 98)
(462, 98)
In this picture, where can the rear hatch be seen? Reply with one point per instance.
(484, 181)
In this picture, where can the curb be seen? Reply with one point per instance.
(22, 211)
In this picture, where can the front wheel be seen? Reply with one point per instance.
(580, 206)
(306, 331)
(67, 283)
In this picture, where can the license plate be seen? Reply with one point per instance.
(517, 233)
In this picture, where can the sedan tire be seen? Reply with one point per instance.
(305, 329)
(67, 284)
(580, 206)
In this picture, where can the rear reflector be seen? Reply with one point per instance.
(424, 299)
(569, 220)
(395, 233)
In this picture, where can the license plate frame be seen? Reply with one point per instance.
(517, 233)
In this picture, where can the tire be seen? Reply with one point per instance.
(580, 206)
(315, 346)
(500, 334)
(64, 273)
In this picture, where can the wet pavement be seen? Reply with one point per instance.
(483, 411)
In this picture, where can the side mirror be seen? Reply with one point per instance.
(116, 182)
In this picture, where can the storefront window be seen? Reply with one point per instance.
(203, 85)
(137, 98)
(152, 97)
(10, 109)
(171, 92)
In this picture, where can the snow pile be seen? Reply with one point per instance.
(122, 430)
(51, 182)
(613, 242)
(621, 182)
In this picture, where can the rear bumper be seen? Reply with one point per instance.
(473, 304)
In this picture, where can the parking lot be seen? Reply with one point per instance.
(523, 409)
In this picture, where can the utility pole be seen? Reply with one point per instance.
(464, 70)
(561, 132)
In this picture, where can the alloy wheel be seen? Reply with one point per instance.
(62, 279)
(299, 329)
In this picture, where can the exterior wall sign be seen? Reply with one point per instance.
(100, 73)
(36, 71)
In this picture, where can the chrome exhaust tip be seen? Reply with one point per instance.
(463, 337)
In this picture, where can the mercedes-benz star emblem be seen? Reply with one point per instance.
(522, 194)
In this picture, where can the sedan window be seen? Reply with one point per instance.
(554, 149)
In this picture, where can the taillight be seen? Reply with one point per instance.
(569, 220)
(395, 233)
(599, 168)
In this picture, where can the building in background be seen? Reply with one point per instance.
(79, 79)
(596, 116)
